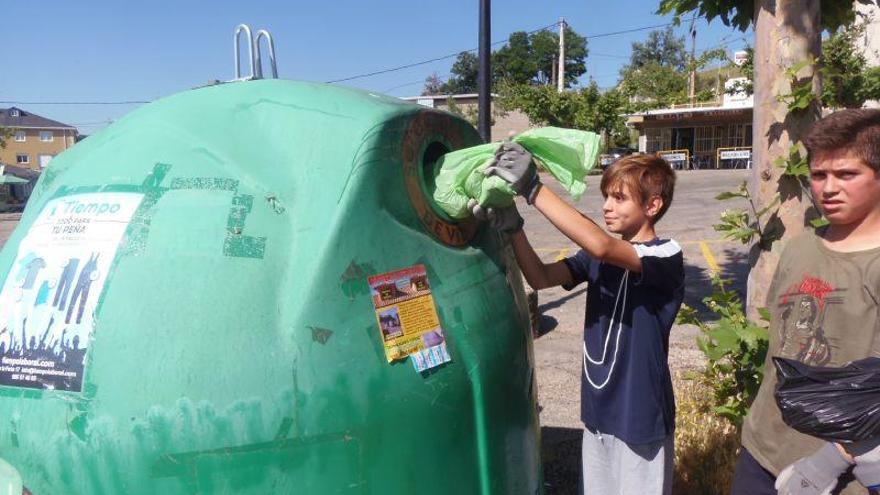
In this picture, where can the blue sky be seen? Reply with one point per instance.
(113, 51)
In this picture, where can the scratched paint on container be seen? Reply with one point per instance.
(48, 300)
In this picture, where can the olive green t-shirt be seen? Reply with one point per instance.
(825, 311)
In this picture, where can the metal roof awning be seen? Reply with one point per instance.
(11, 179)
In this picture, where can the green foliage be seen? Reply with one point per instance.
(801, 96)
(748, 72)
(514, 62)
(545, 50)
(663, 81)
(534, 58)
(587, 109)
(741, 13)
(661, 47)
(433, 85)
(706, 58)
(795, 165)
(847, 81)
(5, 134)
(524, 59)
(543, 105)
(735, 349)
(464, 75)
(736, 225)
(575, 56)
(818, 223)
(741, 225)
(654, 86)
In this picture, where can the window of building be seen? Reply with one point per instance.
(20, 136)
(703, 140)
(46, 136)
(14, 112)
(652, 140)
(665, 139)
(22, 158)
(44, 160)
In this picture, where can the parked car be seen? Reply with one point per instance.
(612, 155)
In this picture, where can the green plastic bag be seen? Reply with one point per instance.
(567, 154)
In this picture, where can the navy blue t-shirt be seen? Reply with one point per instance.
(626, 387)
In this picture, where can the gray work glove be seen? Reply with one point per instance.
(867, 470)
(506, 220)
(815, 474)
(515, 165)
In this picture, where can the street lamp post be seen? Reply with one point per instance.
(485, 73)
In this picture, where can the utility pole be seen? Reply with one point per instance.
(485, 73)
(692, 91)
(560, 74)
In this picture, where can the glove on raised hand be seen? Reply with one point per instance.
(515, 165)
(867, 470)
(507, 220)
(815, 474)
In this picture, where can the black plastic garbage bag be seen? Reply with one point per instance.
(835, 404)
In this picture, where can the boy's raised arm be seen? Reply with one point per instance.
(585, 233)
(538, 274)
(514, 164)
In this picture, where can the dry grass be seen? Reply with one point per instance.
(705, 444)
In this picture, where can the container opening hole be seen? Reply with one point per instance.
(430, 165)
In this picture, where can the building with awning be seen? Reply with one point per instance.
(16, 185)
(699, 136)
(11, 179)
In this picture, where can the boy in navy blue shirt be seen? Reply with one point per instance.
(635, 288)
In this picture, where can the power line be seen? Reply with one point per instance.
(392, 88)
(723, 43)
(437, 59)
(370, 74)
(423, 62)
(595, 54)
(626, 31)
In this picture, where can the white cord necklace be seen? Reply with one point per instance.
(623, 288)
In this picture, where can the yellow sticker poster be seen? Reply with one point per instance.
(407, 317)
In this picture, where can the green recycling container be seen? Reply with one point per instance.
(195, 302)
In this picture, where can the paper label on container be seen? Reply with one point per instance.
(407, 318)
(49, 297)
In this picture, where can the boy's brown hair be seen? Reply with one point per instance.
(645, 176)
(856, 131)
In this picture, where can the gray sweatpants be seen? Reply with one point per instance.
(613, 467)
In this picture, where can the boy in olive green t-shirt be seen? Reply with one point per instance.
(824, 310)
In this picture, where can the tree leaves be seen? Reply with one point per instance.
(5, 134)
(735, 349)
(661, 47)
(654, 86)
(587, 109)
(796, 165)
(464, 71)
(741, 13)
(534, 58)
(847, 81)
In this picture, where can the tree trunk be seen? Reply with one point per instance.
(786, 32)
